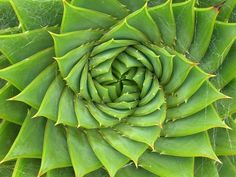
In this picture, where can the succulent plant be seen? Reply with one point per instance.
(118, 88)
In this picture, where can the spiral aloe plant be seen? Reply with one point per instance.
(119, 88)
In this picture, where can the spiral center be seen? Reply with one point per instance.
(125, 72)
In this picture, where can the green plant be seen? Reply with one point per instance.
(117, 88)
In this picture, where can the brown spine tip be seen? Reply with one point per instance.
(217, 7)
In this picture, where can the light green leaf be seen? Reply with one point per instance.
(197, 145)
(83, 158)
(223, 37)
(204, 167)
(124, 31)
(8, 133)
(55, 151)
(199, 122)
(77, 18)
(195, 77)
(23, 72)
(29, 142)
(50, 103)
(66, 111)
(112, 162)
(147, 135)
(184, 14)
(69, 60)
(34, 93)
(142, 21)
(227, 168)
(156, 118)
(164, 18)
(132, 149)
(84, 117)
(224, 140)
(205, 96)
(26, 167)
(205, 20)
(27, 11)
(29, 42)
(64, 43)
(111, 7)
(163, 165)
(102, 118)
(131, 171)
(12, 111)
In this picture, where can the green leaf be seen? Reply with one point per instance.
(164, 18)
(11, 110)
(142, 21)
(61, 172)
(6, 169)
(205, 96)
(111, 44)
(227, 107)
(67, 62)
(98, 173)
(227, 71)
(66, 110)
(23, 72)
(181, 69)
(50, 103)
(224, 140)
(140, 57)
(226, 10)
(29, 142)
(222, 40)
(77, 18)
(55, 151)
(26, 167)
(205, 167)
(112, 162)
(114, 112)
(29, 42)
(84, 117)
(64, 43)
(197, 145)
(34, 93)
(203, 32)
(124, 31)
(104, 56)
(8, 16)
(102, 118)
(195, 77)
(111, 7)
(133, 5)
(199, 122)
(131, 171)
(152, 106)
(163, 165)
(83, 158)
(28, 10)
(166, 62)
(8, 133)
(147, 135)
(132, 149)
(74, 77)
(227, 168)
(152, 57)
(185, 23)
(156, 118)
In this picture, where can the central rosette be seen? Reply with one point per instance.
(117, 81)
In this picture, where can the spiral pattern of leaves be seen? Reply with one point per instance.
(118, 88)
